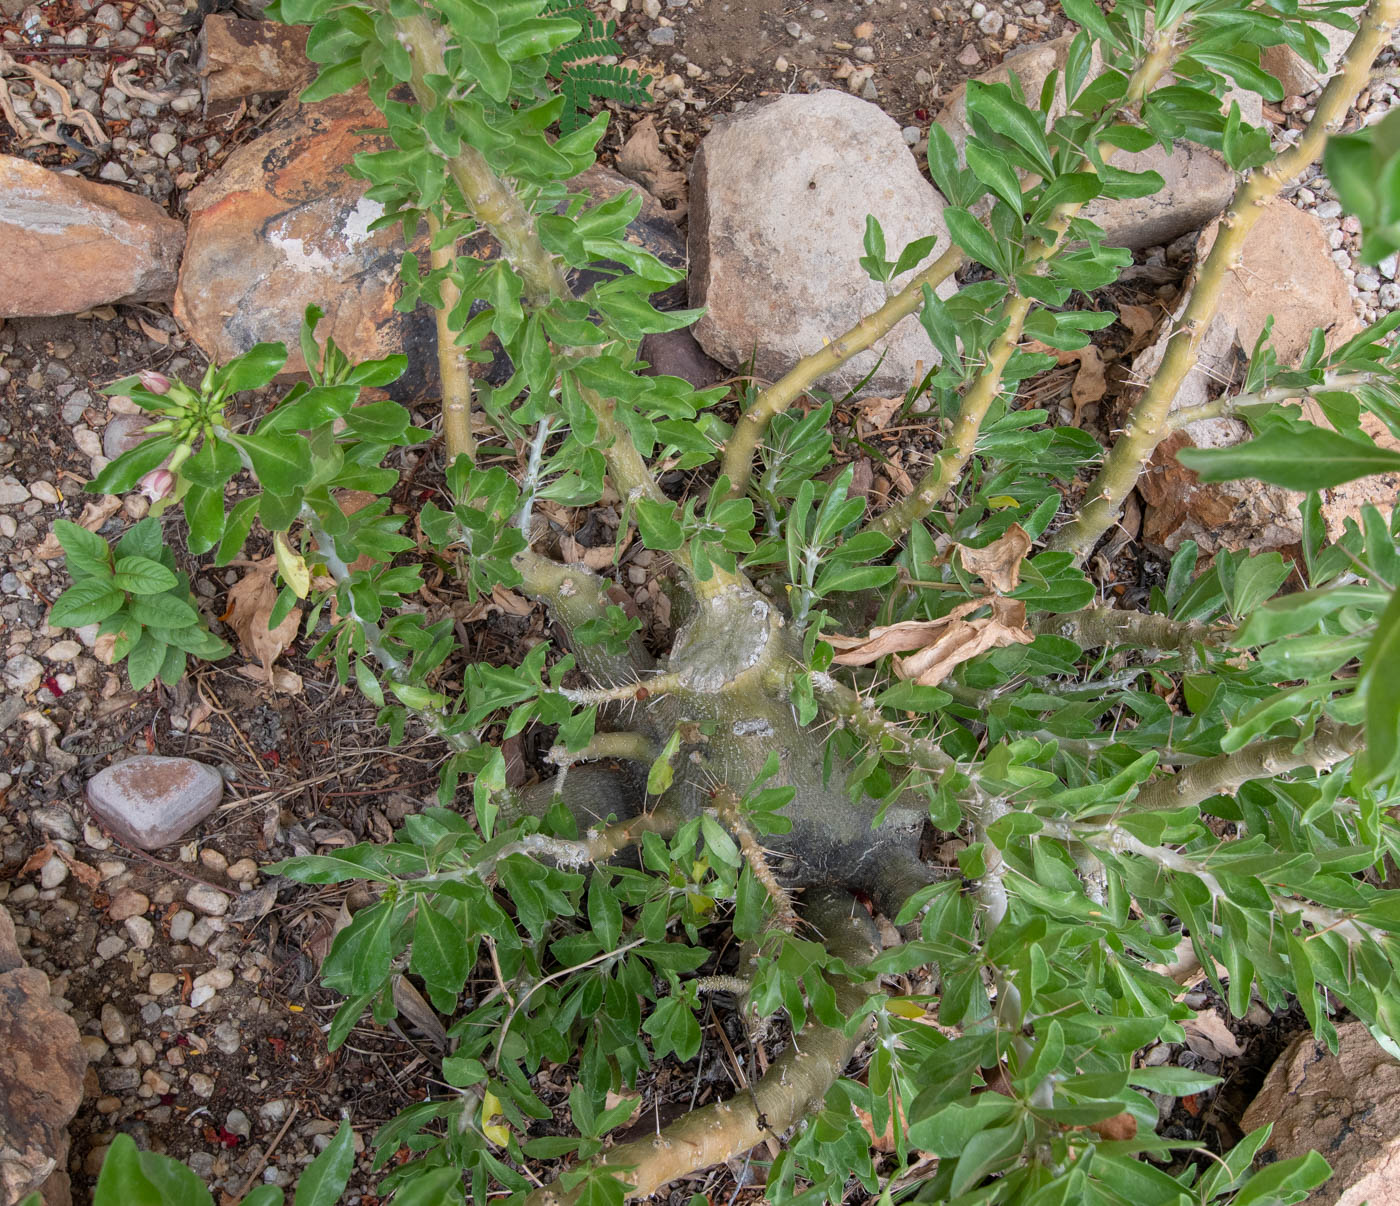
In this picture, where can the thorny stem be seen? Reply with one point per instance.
(727, 812)
(1225, 773)
(748, 432)
(435, 719)
(624, 746)
(790, 1091)
(453, 368)
(1095, 627)
(864, 715)
(948, 467)
(1116, 840)
(949, 464)
(1228, 406)
(1147, 425)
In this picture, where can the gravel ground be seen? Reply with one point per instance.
(190, 975)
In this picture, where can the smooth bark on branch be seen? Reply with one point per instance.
(792, 1088)
(453, 368)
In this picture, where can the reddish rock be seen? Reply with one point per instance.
(67, 244)
(283, 226)
(149, 801)
(240, 58)
(41, 1083)
(1346, 1106)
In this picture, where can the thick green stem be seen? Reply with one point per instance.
(790, 1091)
(1148, 424)
(1226, 773)
(748, 432)
(1095, 627)
(1228, 406)
(949, 464)
(453, 368)
(623, 746)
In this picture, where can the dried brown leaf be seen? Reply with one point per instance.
(94, 515)
(250, 603)
(999, 564)
(1209, 1037)
(642, 159)
(153, 333)
(1141, 321)
(500, 601)
(961, 642)
(278, 678)
(598, 557)
(89, 877)
(903, 637)
(875, 412)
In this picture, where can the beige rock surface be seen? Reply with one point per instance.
(1347, 1107)
(1287, 272)
(1196, 183)
(68, 244)
(779, 195)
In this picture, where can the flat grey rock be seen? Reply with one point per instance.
(779, 195)
(149, 801)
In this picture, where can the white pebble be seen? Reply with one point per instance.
(207, 899)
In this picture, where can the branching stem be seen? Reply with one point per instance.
(727, 812)
(1148, 425)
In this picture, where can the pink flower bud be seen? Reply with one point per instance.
(157, 383)
(157, 484)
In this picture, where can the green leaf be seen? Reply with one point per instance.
(130, 1177)
(131, 467)
(327, 1176)
(252, 370)
(658, 524)
(142, 576)
(333, 80)
(204, 512)
(1380, 685)
(1285, 1181)
(84, 550)
(264, 1195)
(1313, 460)
(281, 461)
(433, 1187)
(86, 602)
(1179, 1082)
(995, 171)
(440, 949)
(969, 234)
(163, 611)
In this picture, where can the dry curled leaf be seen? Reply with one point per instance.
(1141, 321)
(598, 557)
(250, 603)
(500, 601)
(1090, 384)
(999, 564)
(875, 413)
(642, 159)
(1209, 1037)
(94, 515)
(280, 679)
(938, 647)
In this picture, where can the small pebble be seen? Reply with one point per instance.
(142, 932)
(661, 36)
(238, 1123)
(53, 873)
(245, 870)
(217, 978)
(202, 995)
(202, 1085)
(208, 900)
(911, 135)
(161, 983)
(212, 859)
(111, 946)
(991, 24)
(1330, 209)
(128, 903)
(226, 1038)
(114, 1027)
(180, 926)
(794, 30)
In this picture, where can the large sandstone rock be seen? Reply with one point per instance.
(1287, 272)
(67, 244)
(149, 801)
(1300, 78)
(41, 1081)
(1196, 183)
(1347, 1107)
(779, 195)
(283, 226)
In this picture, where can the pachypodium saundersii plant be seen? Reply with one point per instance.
(1202, 787)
